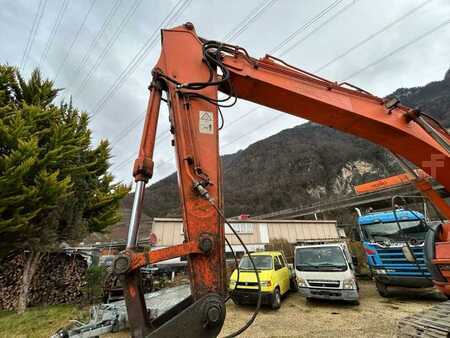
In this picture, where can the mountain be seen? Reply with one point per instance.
(301, 165)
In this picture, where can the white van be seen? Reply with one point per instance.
(326, 271)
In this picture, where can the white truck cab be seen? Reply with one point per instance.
(326, 271)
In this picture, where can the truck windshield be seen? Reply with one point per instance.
(382, 232)
(327, 258)
(261, 263)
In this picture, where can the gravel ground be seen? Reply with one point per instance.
(374, 317)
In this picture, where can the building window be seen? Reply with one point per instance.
(240, 228)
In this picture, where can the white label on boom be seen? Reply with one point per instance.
(206, 122)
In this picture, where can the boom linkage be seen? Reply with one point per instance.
(187, 71)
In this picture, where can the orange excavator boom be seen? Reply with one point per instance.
(191, 71)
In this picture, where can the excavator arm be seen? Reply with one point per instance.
(191, 71)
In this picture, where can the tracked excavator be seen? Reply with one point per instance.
(188, 76)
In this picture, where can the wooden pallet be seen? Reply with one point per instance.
(433, 323)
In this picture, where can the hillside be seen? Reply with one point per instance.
(302, 164)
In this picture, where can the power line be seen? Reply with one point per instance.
(51, 37)
(124, 162)
(108, 46)
(77, 35)
(305, 26)
(97, 37)
(312, 32)
(255, 13)
(246, 22)
(140, 55)
(441, 25)
(239, 29)
(32, 35)
(125, 131)
(398, 49)
(298, 31)
(372, 36)
(254, 129)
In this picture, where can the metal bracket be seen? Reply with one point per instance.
(202, 319)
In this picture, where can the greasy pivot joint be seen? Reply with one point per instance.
(121, 264)
(214, 312)
(205, 243)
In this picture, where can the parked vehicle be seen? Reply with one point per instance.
(387, 248)
(274, 274)
(326, 271)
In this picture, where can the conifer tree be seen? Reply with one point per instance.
(54, 184)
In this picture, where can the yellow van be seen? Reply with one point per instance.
(275, 278)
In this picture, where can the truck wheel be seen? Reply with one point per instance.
(276, 299)
(382, 289)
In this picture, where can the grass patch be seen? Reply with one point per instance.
(39, 321)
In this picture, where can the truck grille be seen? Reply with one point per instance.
(247, 284)
(395, 262)
(324, 283)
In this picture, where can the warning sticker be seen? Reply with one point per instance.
(206, 125)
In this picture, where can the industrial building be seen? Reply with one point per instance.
(254, 233)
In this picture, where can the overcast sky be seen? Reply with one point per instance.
(378, 45)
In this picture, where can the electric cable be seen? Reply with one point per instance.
(139, 57)
(75, 39)
(372, 36)
(312, 32)
(53, 32)
(124, 22)
(97, 38)
(398, 49)
(33, 32)
(305, 26)
(243, 25)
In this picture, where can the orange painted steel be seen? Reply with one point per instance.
(275, 84)
(143, 166)
(141, 259)
(388, 182)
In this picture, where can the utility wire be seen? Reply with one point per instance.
(398, 49)
(75, 39)
(372, 36)
(124, 162)
(362, 69)
(101, 32)
(33, 31)
(124, 132)
(243, 25)
(107, 48)
(236, 31)
(179, 7)
(305, 26)
(315, 30)
(51, 37)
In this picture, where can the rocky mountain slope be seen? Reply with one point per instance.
(302, 164)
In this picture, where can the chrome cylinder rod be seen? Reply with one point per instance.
(135, 218)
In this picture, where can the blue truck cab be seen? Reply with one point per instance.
(383, 243)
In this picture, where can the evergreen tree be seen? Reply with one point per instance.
(54, 185)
